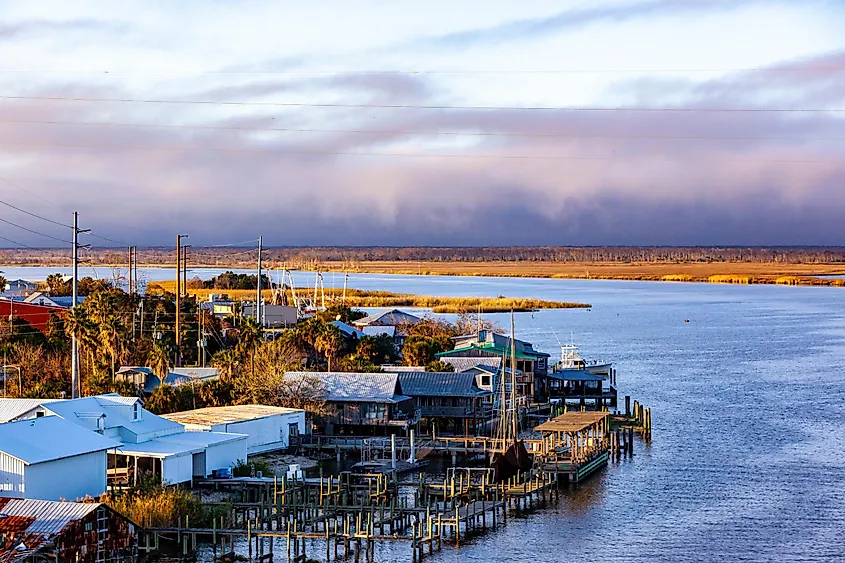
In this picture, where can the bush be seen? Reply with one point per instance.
(249, 469)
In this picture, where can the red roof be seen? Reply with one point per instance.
(36, 315)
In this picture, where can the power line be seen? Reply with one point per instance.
(33, 194)
(29, 212)
(32, 231)
(432, 71)
(436, 107)
(411, 155)
(420, 133)
(19, 243)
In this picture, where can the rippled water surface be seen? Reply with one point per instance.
(747, 461)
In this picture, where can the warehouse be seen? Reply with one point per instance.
(267, 428)
(52, 459)
(147, 443)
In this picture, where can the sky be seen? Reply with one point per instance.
(495, 123)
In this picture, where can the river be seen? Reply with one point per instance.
(746, 385)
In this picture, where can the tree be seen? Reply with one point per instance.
(421, 350)
(3, 283)
(57, 286)
(329, 342)
(439, 365)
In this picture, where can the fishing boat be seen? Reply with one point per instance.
(591, 384)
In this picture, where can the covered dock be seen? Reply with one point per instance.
(575, 444)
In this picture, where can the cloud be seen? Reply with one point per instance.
(32, 27)
(577, 19)
(725, 182)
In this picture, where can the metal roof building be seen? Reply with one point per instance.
(38, 530)
(50, 458)
(267, 428)
(147, 442)
(357, 387)
(393, 317)
(440, 384)
(10, 409)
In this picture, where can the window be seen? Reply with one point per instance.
(136, 411)
(485, 380)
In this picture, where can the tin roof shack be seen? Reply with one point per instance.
(36, 531)
(447, 401)
(390, 323)
(147, 442)
(489, 344)
(267, 428)
(146, 381)
(362, 403)
(52, 459)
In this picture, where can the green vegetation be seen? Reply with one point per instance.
(244, 469)
(154, 506)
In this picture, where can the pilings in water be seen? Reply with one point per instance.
(351, 516)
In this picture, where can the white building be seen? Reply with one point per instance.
(147, 442)
(267, 428)
(50, 458)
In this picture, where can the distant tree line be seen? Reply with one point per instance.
(301, 257)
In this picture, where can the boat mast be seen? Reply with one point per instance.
(514, 421)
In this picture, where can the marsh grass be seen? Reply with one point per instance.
(366, 298)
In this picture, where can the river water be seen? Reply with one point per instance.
(746, 386)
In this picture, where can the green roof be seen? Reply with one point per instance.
(492, 349)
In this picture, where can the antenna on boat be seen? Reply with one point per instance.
(559, 343)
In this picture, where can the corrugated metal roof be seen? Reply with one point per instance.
(440, 384)
(48, 438)
(10, 409)
(379, 331)
(348, 330)
(357, 387)
(118, 413)
(50, 517)
(394, 317)
(210, 416)
(493, 363)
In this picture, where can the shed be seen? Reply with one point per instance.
(50, 458)
(58, 532)
(267, 428)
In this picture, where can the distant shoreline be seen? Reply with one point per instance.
(747, 273)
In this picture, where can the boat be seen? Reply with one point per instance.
(591, 384)
(515, 458)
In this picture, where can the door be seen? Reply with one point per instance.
(199, 465)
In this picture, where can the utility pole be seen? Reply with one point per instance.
(258, 318)
(129, 274)
(185, 270)
(75, 390)
(178, 359)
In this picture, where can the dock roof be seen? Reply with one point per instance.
(211, 416)
(572, 422)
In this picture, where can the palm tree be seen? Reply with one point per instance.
(159, 360)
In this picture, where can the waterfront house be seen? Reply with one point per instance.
(393, 323)
(58, 301)
(40, 531)
(361, 403)
(146, 442)
(448, 402)
(488, 344)
(146, 381)
(18, 289)
(50, 458)
(267, 428)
